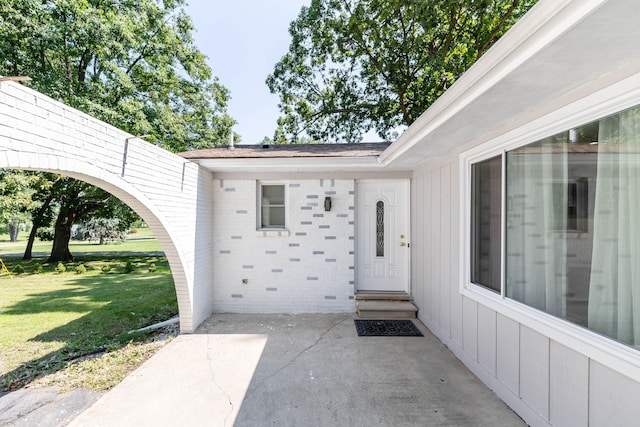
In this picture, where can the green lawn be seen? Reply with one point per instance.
(50, 319)
(141, 241)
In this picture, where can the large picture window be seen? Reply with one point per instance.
(571, 221)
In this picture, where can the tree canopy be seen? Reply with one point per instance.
(360, 65)
(130, 63)
(133, 64)
(16, 189)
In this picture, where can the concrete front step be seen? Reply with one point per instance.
(386, 296)
(377, 309)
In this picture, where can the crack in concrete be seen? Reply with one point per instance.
(296, 357)
(215, 383)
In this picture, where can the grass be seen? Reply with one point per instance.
(54, 324)
(141, 241)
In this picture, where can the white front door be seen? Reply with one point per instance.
(382, 235)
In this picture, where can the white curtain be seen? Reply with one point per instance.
(614, 288)
(536, 219)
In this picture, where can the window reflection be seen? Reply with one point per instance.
(572, 229)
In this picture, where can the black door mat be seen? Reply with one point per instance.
(386, 328)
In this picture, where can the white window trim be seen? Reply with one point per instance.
(272, 231)
(610, 100)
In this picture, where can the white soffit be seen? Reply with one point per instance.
(293, 164)
(558, 48)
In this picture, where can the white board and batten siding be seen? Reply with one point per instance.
(545, 380)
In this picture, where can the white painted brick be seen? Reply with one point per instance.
(38, 132)
(294, 292)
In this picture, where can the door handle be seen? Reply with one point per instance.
(403, 244)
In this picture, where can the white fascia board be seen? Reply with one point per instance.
(291, 164)
(543, 24)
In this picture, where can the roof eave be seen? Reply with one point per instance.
(545, 22)
(292, 164)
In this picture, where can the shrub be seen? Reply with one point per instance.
(152, 268)
(37, 269)
(45, 234)
(102, 230)
(60, 268)
(18, 269)
(81, 269)
(128, 267)
(106, 268)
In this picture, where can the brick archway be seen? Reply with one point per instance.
(172, 195)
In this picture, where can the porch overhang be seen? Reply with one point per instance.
(294, 164)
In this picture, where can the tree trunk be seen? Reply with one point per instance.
(13, 231)
(62, 236)
(36, 220)
(32, 237)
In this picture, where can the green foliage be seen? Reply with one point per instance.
(45, 234)
(129, 267)
(360, 65)
(16, 189)
(60, 268)
(106, 268)
(81, 269)
(37, 268)
(132, 64)
(152, 268)
(77, 202)
(18, 269)
(102, 230)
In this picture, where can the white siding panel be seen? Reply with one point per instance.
(417, 241)
(454, 290)
(508, 352)
(429, 246)
(612, 396)
(445, 250)
(487, 338)
(534, 373)
(436, 255)
(470, 327)
(569, 381)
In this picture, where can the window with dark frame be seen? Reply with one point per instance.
(486, 213)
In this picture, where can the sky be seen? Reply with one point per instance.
(243, 40)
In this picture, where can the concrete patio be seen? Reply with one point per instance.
(295, 370)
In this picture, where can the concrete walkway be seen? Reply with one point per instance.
(298, 370)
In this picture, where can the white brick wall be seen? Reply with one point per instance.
(172, 195)
(307, 268)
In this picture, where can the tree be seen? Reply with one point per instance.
(133, 64)
(15, 199)
(79, 202)
(46, 190)
(360, 65)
